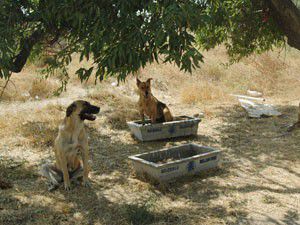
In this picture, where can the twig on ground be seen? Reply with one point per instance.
(294, 126)
(5, 85)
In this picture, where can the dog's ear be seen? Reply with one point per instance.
(138, 82)
(148, 81)
(70, 109)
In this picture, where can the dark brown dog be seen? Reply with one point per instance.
(149, 105)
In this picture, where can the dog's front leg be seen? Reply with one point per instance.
(142, 116)
(64, 168)
(153, 119)
(153, 116)
(83, 143)
(85, 160)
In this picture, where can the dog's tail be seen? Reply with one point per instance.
(167, 114)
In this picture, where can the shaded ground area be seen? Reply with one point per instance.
(259, 182)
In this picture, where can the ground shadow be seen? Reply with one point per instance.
(253, 138)
(240, 138)
(39, 134)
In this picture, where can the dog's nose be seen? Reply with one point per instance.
(95, 109)
(146, 93)
(98, 109)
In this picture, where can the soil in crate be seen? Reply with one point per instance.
(178, 118)
(163, 157)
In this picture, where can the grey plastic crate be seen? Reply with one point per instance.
(181, 126)
(167, 164)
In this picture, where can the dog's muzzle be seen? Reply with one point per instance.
(87, 113)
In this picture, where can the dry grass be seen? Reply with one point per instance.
(119, 107)
(268, 199)
(42, 132)
(42, 88)
(258, 182)
(31, 86)
(37, 128)
(271, 73)
(202, 92)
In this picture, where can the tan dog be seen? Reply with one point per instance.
(70, 145)
(157, 111)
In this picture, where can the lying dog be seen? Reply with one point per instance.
(70, 145)
(149, 105)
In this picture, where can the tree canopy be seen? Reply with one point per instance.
(122, 36)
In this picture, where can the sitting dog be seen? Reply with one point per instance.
(70, 145)
(157, 111)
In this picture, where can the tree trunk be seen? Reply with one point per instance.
(26, 46)
(287, 16)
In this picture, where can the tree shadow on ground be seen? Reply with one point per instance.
(110, 164)
(241, 138)
(13, 210)
(28, 202)
(261, 141)
(39, 134)
(112, 158)
(256, 146)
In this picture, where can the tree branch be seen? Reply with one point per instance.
(287, 16)
(5, 86)
(26, 46)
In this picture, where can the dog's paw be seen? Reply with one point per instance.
(86, 183)
(52, 187)
(67, 187)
